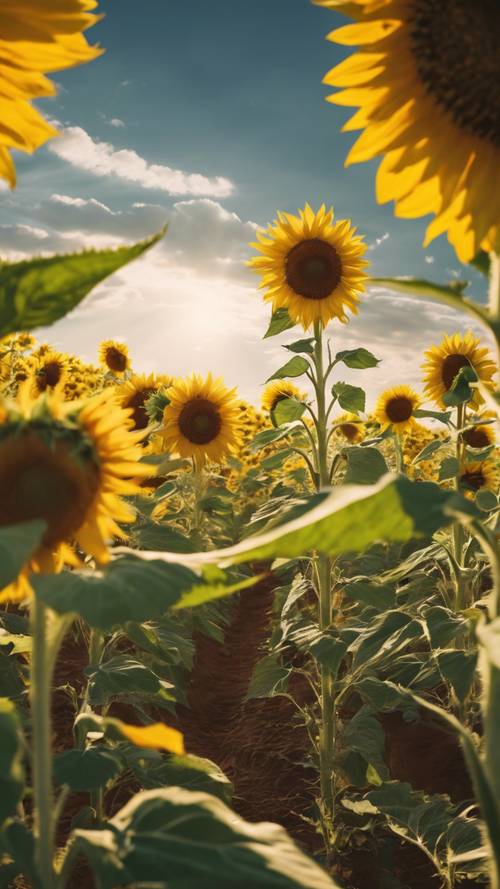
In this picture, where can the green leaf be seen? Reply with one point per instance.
(11, 771)
(443, 416)
(274, 461)
(387, 634)
(376, 595)
(153, 535)
(287, 410)
(180, 839)
(280, 321)
(449, 468)
(302, 346)
(429, 290)
(17, 545)
(192, 772)
(357, 358)
(37, 292)
(87, 770)
(269, 436)
(364, 465)
(120, 675)
(364, 735)
(268, 678)
(293, 368)
(428, 450)
(442, 624)
(460, 390)
(350, 398)
(459, 669)
(482, 263)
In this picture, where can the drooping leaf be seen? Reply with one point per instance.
(269, 436)
(287, 410)
(357, 358)
(120, 674)
(17, 545)
(428, 450)
(87, 769)
(154, 769)
(293, 368)
(268, 678)
(449, 468)
(364, 465)
(37, 292)
(280, 321)
(350, 398)
(460, 390)
(305, 345)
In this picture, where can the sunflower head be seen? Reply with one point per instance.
(50, 371)
(134, 395)
(278, 390)
(396, 407)
(114, 356)
(478, 475)
(202, 419)
(443, 362)
(311, 265)
(349, 427)
(425, 83)
(67, 464)
(480, 435)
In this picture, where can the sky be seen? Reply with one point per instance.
(211, 116)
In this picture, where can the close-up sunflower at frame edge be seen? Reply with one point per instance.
(444, 361)
(202, 419)
(68, 464)
(395, 408)
(277, 391)
(476, 476)
(425, 80)
(311, 265)
(36, 38)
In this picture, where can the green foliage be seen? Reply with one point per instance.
(287, 410)
(357, 358)
(17, 544)
(11, 771)
(280, 321)
(293, 368)
(37, 292)
(364, 465)
(350, 398)
(88, 769)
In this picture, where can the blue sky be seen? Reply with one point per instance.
(211, 115)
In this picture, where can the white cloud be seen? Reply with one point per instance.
(102, 159)
(69, 201)
(429, 259)
(116, 122)
(31, 231)
(378, 241)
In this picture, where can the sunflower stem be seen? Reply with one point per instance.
(41, 680)
(323, 570)
(458, 529)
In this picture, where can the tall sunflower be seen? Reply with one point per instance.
(311, 265)
(36, 38)
(114, 356)
(444, 361)
(278, 390)
(396, 407)
(68, 464)
(425, 79)
(202, 419)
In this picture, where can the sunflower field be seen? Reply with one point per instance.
(241, 645)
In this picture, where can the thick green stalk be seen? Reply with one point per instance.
(458, 529)
(41, 677)
(327, 730)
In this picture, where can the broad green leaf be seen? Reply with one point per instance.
(460, 390)
(442, 624)
(153, 769)
(443, 416)
(153, 535)
(350, 398)
(269, 436)
(87, 769)
(121, 674)
(180, 839)
(287, 410)
(364, 735)
(37, 292)
(17, 544)
(459, 669)
(429, 290)
(428, 450)
(302, 346)
(268, 678)
(449, 468)
(376, 595)
(11, 771)
(357, 358)
(386, 635)
(280, 321)
(276, 460)
(364, 465)
(293, 368)
(486, 500)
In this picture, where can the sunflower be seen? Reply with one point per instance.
(425, 80)
(311, 265)
(114, 356)
(50, 371)
(202, 419)
(134, 395)
(444, 362)
(480, 436)
(396, 407)
(349, 426)
(37, 37)
(277, 391)
(475, 476)
(67, 464)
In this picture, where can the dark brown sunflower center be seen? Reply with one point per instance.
(450, 367)
(476, 438)
(50, 485)
(115, 359)
(200, 421)
(455, 48)
(349, 431)
(473, 480)
(136, 402)
(313, 269)
(399, 409)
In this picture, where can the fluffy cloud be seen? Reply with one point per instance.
(76, 147)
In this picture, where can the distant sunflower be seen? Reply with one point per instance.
(202, 419)
(476, 476)
(134, 394)
(36, 37)
(480, 436)
(443, 363)
(278, 390)
(396, 408)
(49, 372)
(311, 265)
(350, 427)
(68, 465)
(114, 356)
(426, 82)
